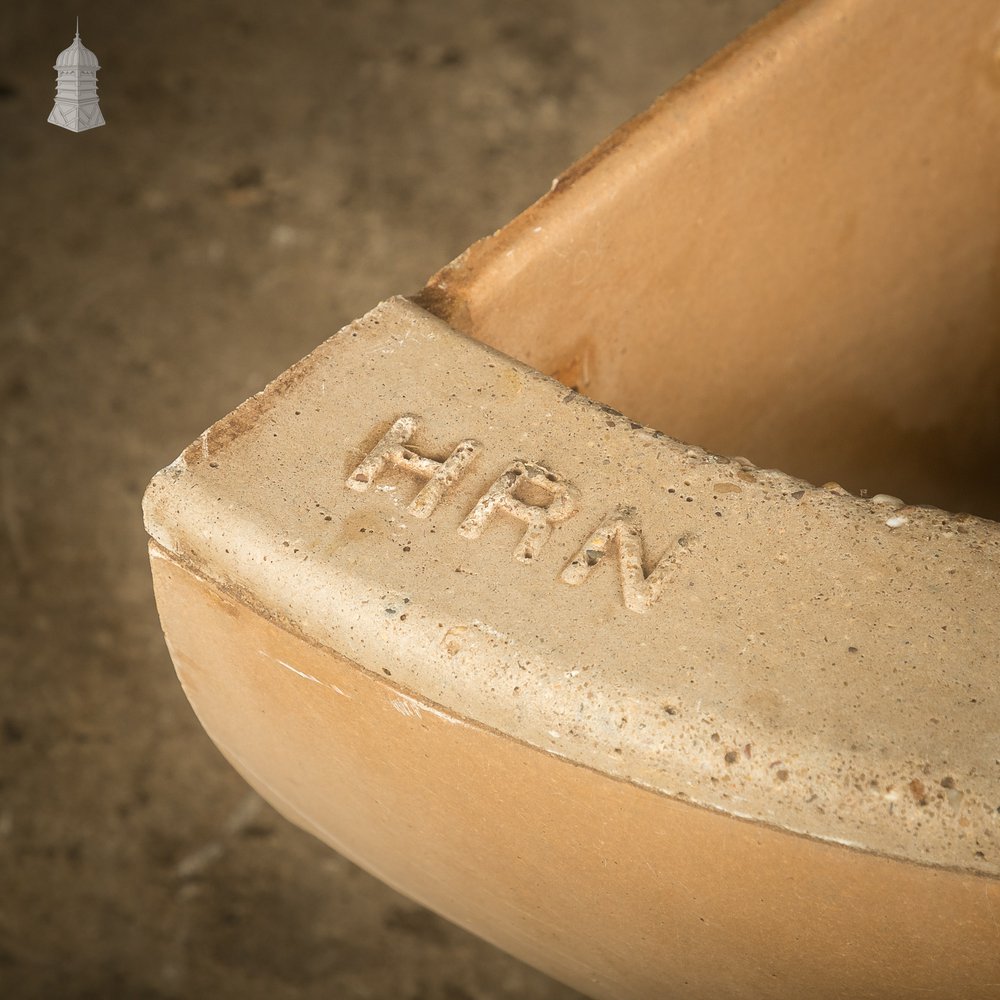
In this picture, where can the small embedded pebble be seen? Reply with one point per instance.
(885, 500)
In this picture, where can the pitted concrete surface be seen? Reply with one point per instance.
(267, 173)
(777, 673)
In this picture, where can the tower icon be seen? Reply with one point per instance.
(76, 106)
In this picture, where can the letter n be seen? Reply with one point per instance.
(621, 528)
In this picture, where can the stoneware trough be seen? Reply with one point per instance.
(480, 594)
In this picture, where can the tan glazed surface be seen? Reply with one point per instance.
(793, 255)
(625, 894)
(813, 660)
(658, 720)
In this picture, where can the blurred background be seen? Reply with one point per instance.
(268, 172)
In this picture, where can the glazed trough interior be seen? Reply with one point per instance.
(794, 259)
(776, 783)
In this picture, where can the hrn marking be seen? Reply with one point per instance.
(620, 528)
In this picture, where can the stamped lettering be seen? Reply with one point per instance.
(534, 494)
(621, 529)
(539, 518)
(394, 448)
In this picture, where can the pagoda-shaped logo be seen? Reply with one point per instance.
(76, 106)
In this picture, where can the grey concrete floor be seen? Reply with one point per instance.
(267, 173)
